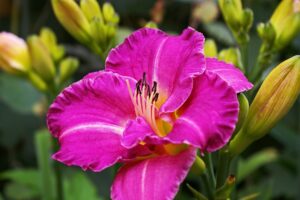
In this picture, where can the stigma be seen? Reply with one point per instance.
(144, 100)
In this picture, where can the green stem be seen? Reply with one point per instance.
(210, 170)
(207, 184)
(244, 54)
(223, 167)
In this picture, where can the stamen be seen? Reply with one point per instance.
(144, 99)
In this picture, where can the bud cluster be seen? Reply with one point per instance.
(88, 23)
(41, 60)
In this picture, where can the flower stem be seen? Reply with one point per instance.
(223, 167)
(244, 54)
(210, 170)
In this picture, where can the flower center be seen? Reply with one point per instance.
(144, 99)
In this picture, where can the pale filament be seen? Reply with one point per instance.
(143, 100)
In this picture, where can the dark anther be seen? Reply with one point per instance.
(154, 87)
(138, 88)
(148, 90)
(144, 78)
(155, 98)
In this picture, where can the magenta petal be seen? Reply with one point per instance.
(155, 178)
(229, 73)
(137, 131)
(89, 117)
(208, 117)
(169, 60)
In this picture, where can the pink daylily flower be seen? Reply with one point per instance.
(157, 101)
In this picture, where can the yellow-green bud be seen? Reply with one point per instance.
(286, 22)
(243, 111)
(210, 48)
(232, 12)
(266, 32)
(109, 13)
(247, 19)
(72, 18)
(66, 68)
(198, 167)
(91, 9)
(98, 31)
(274, 99)
(151, 25)
(41, 59)
(233, 56)
(37, 82)
(14, 56)
(49, 39)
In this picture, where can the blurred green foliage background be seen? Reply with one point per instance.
(270, 167)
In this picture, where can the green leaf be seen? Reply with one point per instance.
(246, 167)
(22, 176)
(220, 32)
(17, 93)
(18, 191)
(196, 193)
(79, 187)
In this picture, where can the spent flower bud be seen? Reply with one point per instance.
(274, 99)
(14, 57)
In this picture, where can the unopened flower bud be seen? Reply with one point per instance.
(66, 68)
(210, 48)
(232, 55)
(49, 39)
(243, 111)
(274, 99)
(41, 59)
(109, 13)
(91, 9)
(266, 32)
(232, 12)
(72, 18)
(14, 57)
(286, 22)
(37, 81)
(247, 19)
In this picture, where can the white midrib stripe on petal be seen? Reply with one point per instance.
(103, 127)
(157, 58)
(143, 179)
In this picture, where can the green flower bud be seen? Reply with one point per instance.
(274, 99)
(37, 82)
(232, 55)
(14, 57)
(232, 12)
(244, 108)
(72, 18)
(41, 59)
(198, 167)
(210, 48)
(247, 19)
(109, 13)
(99, 31)
(67, 67)
(49, 39)
(266, 32)
(286, 22)
(91, 9)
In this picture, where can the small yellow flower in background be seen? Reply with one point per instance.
(286, 22)
(274, 99)
(14, 57)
